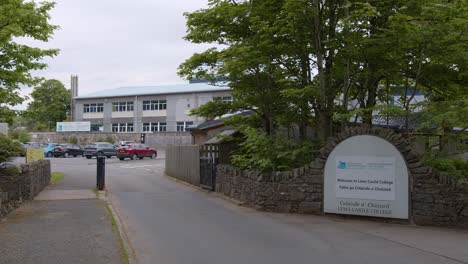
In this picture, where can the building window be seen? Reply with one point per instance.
(93, 108)
(122, 127)
(146, 127)
(122, 106)
(182, 126)
(154, 105)
(222, 98)
(154, 127)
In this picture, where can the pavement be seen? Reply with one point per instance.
(169, 222)
(65, 223)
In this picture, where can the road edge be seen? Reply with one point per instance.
(122, 231)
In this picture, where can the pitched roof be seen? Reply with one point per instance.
(154, 90)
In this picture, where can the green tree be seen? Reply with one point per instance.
(50, 103)
(21, 19)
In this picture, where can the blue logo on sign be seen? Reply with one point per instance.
(341, 165)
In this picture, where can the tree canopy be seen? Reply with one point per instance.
(18, 20)
(50, 103)
(317, 63)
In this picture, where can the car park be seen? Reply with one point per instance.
(98, 149)
(136, 151)
(49, 149)
(66, 150)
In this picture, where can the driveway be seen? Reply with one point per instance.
(169, 222)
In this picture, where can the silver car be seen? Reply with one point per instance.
(98, 149)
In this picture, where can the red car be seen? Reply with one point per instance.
(134, 151)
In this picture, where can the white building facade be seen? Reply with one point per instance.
(145, 109)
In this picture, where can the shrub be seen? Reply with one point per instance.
(453, 167)
(20, 135)
(9, 148)
(73, 140)
(10, 171)
(272, 153)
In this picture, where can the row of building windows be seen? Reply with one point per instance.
(126, 106)
(122, 127)
(93, 108)
(223, 98)
(147, 105)
(122, 106)
(154, 127)
(154, 105)
(149, 127)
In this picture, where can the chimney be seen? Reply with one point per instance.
(74, 93)
(74, 85)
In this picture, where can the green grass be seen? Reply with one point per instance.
(123, 252)
(56, 177)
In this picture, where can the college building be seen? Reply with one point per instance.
(144, 109)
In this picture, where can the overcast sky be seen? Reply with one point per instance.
(114, 43)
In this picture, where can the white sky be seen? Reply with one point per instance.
(114, 43)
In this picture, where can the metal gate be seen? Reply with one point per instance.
(208, 172)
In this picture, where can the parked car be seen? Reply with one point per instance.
(49, 149)
(134, 151)
(125, 143)
(66, 150)
(34, 145)
(98, 149)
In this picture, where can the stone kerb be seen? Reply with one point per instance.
(435, 198)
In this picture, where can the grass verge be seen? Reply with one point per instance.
(56, 177)
(123, 252)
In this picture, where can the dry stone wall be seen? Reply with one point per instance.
(435, 199)
(15, 189)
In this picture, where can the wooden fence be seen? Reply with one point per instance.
(183, 163)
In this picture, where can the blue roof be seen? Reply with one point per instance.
(154, 90)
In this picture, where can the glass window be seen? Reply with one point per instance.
(129, 127)
(93, 108)
(115, 127)
(146, 127)
(86, 108)
(162, 105)
(146, 105)
(122, 127)
(100, 108)
(162, 127)
(182, 126)
(154, 127)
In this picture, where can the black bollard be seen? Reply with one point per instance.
(101, 173)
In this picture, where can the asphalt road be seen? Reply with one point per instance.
(171, 223)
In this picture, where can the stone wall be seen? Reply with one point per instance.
(298, 191)
(14, 189)
(159, 139)
(435, 199)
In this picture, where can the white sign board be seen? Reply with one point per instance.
(366, 175)
(73, 126)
